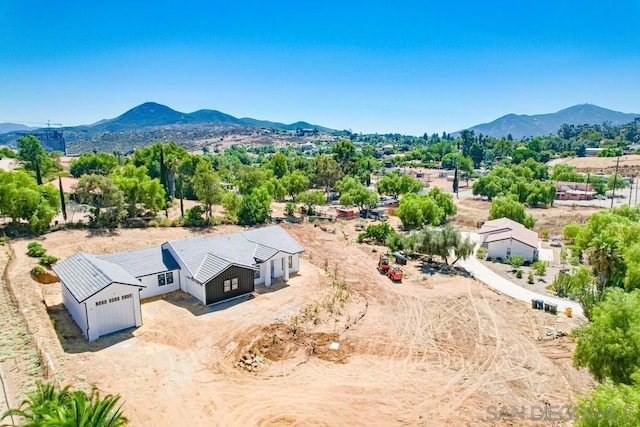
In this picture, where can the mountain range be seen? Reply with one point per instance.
(524, 126)
(151, 114)
(151, 122)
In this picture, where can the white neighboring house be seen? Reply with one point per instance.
(103, 293)
(504, 238)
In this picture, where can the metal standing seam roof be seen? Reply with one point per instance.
(206, 257)
(143, 262)
(274, 237)
(85, 275)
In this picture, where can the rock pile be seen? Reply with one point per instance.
(250, 361)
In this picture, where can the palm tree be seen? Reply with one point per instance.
(605, 256)
(91, 411)
(39, 405)
(47, 405)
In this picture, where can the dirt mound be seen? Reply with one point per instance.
(46, 278)
(279, 341)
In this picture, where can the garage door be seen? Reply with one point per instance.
(115, 314)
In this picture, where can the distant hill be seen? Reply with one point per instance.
(151, 122)
(151, 114)
(523, 126)
(12, 127)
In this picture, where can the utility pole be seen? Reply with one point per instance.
(615, 179)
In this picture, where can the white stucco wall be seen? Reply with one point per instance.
(499, 249)
(277, 264)
(75, 309)
(194, 288)
(152, 288)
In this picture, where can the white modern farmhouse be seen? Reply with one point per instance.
(504, 238)
(103, 292)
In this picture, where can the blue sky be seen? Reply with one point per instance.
(404, 66)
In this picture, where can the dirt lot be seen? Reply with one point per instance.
(434, 350)
(629, 164)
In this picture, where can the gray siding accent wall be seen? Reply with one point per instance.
(214, 289)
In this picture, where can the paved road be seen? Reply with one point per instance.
(507, 287)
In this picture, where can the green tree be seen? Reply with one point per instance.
(231, 203)
(311, 199)
(506, 207)
(22, 198)
(616, 179)
(395, 184)
(255, 207)
(139, 188)
(346, 156)
(295, 183)
(432, 208)
(206, 184)
(106, 199)
(571, 231)
(354, 193)
(541, 194)
(609, 346)
(278, 164)
(605, 256)
(379, 233)
(609, 405)
(326, 172)
(566, 173)
(443, 243)
(100, 164)
(63, 205)
(35, 158)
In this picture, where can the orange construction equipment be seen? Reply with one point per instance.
(395, 273)
(383, 264)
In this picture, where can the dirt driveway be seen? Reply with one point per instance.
(433, 350)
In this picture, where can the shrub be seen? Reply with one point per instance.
(160, 222)
(519, 274)
(530, 278)
(289, 208)
(37, 270)
(540, 267)
(571, 231)
(562, 286)
(193, 217)
(544, 233)
(516, 261)
(48, 260)
(481, 253)
(35, 250)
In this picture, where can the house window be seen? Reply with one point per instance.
(114, 299)
(282, 264)
(508, 252)
(256, 274)
(161, 280)
(234, 283)
(126, 296)
(103, 302)
(227, 285)
(290, 262)
(169, 277)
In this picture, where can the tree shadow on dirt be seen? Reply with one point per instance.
(431, 268)
(101, 232)
(71, 338)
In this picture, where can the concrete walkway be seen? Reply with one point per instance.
(507, 287)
